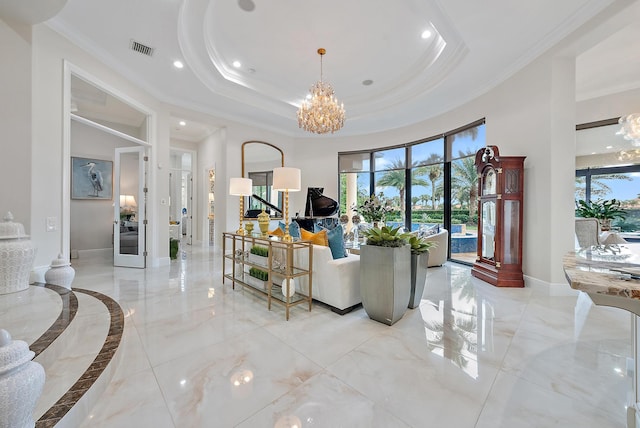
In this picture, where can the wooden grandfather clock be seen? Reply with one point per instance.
(500, 191)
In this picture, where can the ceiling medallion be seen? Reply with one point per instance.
(321, 113)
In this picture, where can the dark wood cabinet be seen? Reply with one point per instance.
(500, 209)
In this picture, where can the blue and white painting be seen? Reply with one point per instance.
(91, 178)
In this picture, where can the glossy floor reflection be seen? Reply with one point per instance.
(196, 353)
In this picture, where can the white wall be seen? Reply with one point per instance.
(49, 52)
(15, 122)
(92, 220)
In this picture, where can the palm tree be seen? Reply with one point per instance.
(598, 186)
(464, 181)
(433, 170)
(395, 177)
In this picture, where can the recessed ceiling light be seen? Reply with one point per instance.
(178, 64)
(609, 147)
(236, 64)
(426, 34)
(183, 123)
(367, 82)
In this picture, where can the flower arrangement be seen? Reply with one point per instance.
(374, 208)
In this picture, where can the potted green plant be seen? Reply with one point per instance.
(261, 278)
(385, 269)
(419, 261)
(603, 210)
(259, 255)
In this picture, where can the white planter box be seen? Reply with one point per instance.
(258, 260)
(255, 282)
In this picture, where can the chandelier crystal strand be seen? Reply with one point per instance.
(630, 128)
(321, 113)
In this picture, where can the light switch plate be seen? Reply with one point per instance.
(52, 224)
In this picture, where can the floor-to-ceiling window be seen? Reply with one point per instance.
(608, 167)
(428, 183)
(464, 191)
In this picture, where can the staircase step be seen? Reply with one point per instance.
(75, 335)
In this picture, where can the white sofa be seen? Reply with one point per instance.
(335, 282)
(438, 255)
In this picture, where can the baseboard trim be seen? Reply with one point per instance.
(550, 288)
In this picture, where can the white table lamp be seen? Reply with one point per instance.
(241, 187)
(286, 180)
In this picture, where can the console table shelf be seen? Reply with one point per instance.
(279, 265)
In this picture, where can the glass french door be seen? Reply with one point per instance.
(129, 208)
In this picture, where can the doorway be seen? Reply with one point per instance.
(98, 121)
(181, 203)
(129, 231)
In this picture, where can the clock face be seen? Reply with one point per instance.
(489, 187)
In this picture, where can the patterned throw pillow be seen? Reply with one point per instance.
(294, 229)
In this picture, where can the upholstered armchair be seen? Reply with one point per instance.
(438, 255)
(587, 232)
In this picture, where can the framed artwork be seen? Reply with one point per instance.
(91, 178)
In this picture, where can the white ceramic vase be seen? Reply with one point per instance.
(60, 273)
(21, 382)
(292, 287)
(16, 256)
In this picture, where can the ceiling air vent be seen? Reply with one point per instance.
(139, 47)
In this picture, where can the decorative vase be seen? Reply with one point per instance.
(248, 227)
(292, 287)
(16, 256)
(21, 382)
(60, 273)
(263, 223)
(385, 274)
(419, 263)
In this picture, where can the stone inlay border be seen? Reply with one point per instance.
(67, 314)
(116, 327)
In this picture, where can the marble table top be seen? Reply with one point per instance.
(612, 270)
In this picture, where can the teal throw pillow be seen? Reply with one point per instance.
(336, 242)
(294, 229)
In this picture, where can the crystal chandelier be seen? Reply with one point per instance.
(321, 113)
(630, 128)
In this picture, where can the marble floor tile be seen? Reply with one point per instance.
(231, 380)
(134, 401)
(25, 324)
(197, 353)
(323, 401)
(412, 380)
(516, 403)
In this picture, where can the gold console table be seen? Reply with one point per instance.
(279, 265)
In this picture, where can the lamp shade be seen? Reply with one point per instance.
(286, 178)
(128, 201)
(240, 186)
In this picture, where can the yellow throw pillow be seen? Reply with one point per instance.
(319, 238)
(277, 232)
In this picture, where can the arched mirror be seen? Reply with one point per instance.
(258, 161)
